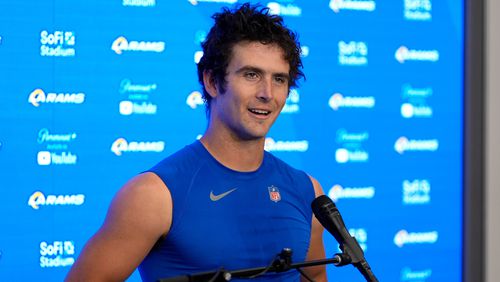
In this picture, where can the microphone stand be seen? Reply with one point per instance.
(282, 263)
(353, 254)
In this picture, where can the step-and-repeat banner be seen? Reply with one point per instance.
(94, 92)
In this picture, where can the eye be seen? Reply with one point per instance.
(251, 75)
(281, 79)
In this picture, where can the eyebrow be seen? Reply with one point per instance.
(259, 70)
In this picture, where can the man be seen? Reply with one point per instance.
(221, 201)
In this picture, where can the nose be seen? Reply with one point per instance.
(265, 93)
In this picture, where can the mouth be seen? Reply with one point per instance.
(259, 112)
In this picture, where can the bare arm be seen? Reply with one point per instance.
(316, 248)
(139, 215)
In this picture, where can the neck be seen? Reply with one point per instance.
(234, 153)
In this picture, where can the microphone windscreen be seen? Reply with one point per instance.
(324, 203)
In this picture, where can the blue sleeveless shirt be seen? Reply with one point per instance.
(225, 218)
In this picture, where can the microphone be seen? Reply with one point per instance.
(329, 216)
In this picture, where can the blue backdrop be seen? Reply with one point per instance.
(94, 92)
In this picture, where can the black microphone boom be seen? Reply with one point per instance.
(329, 216)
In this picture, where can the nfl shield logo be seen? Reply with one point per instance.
(274, 194)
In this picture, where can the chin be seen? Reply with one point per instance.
(249, 133)
(252, 136)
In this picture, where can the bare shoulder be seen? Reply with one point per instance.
(318, 190)
(142, 195)
(316, 248)
(140, 214)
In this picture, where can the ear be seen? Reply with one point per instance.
(210, 83)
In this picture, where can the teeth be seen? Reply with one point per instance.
(260, 112)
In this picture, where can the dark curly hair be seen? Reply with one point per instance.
(245, 23)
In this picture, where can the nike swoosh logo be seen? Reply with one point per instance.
(215, 198)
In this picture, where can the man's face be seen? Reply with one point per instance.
(256, 90)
